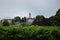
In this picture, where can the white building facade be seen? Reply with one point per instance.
(29, 20)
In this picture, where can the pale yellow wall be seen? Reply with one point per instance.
(10, 21)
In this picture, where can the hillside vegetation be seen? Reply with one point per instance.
(29, 33)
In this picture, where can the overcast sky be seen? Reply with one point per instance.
(12, 8)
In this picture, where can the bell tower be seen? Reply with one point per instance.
(29, 15)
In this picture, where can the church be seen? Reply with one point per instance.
(29, 20)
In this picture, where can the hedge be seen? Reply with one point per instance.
(29, 33)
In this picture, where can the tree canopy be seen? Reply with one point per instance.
(57, 18)
(23, 19)
(5, 23)
(39, 18)
(17, 18)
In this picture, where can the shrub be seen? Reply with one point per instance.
(29, 33)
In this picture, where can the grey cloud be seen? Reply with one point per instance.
(11, 8)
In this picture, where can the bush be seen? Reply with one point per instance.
(29, 33)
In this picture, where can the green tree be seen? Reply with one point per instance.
(52, 18)
(17, 18)
(23, 19)
(57, 18)
(5, 23)
(58, 13)
(39, 18)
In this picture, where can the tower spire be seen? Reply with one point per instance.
(29, 15)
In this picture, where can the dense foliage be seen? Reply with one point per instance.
(52, 21)
(17, 18)
(5, 23)
(57, 18)
(29, 33)
(23, 19)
